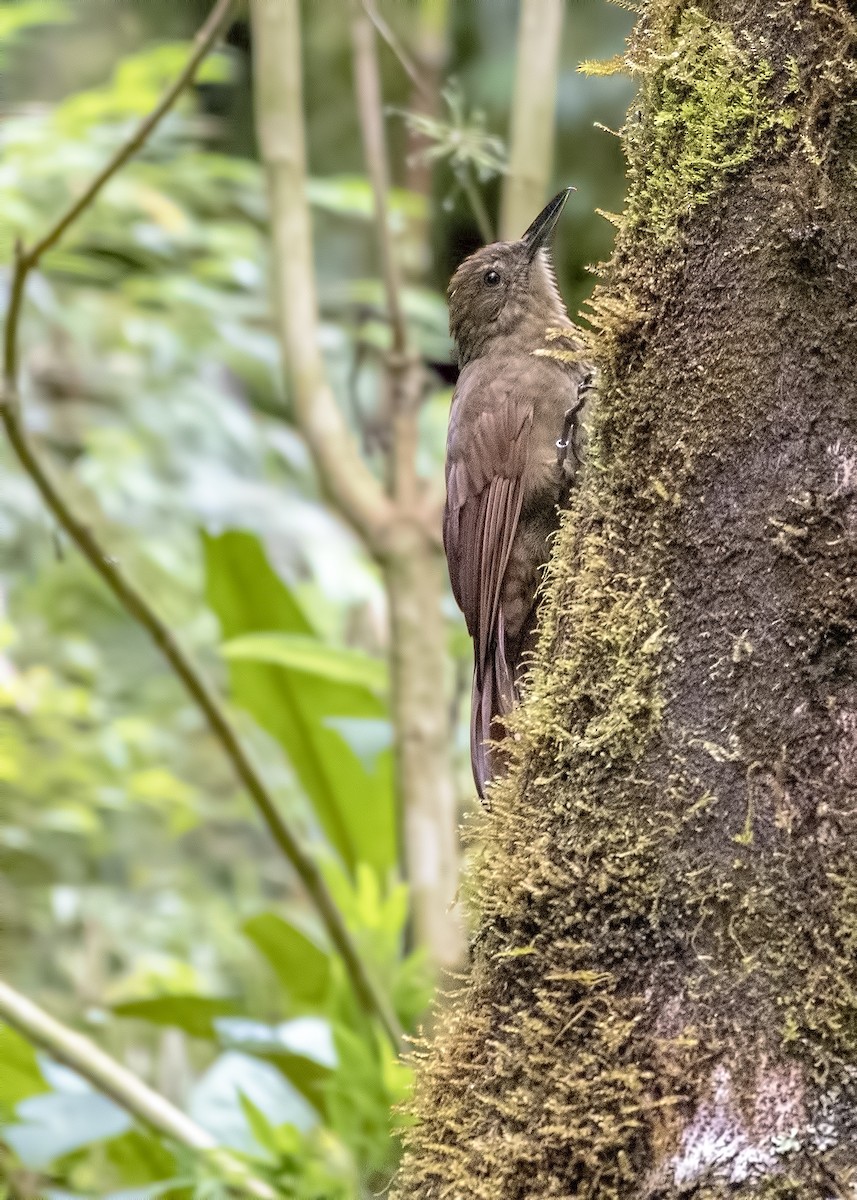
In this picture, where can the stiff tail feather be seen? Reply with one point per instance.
(493, 697)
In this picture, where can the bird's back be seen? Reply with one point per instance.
(504, 483)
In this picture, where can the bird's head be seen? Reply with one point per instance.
(507, 288)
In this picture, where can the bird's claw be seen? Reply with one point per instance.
(566, 442)
(562, 443)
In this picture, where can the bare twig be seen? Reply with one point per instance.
(404, 369)
(429, 51)
(406, 62)
(395, 534)
(131, 1093)
(27, 259)
(477, 206)
(370, 107)
(344, 475)
(135, 603)
(532, 134)
(412, 575)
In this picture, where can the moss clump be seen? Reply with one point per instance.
(605, 674)
(717, 104)
(572, 1083)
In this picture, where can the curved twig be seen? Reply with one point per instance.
(405, 61)
(132, 600)
(27, 259)
(130, 1092)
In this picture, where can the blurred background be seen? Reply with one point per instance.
(141, 898)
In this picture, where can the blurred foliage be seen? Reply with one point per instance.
(140, 898)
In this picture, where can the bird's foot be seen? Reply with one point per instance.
(566, 441)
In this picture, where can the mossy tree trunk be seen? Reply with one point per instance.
(664, 991)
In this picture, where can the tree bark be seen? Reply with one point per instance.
(664, 992)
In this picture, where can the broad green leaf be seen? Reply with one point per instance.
(193, 1014)
(141, 1160)
(368, 737)
(309, 656)
(354, 805)
(363, 1126)
(302, 967)
(306, 1075)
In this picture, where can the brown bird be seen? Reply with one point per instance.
(516, 413)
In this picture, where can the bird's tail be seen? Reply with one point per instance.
(496, 691)
(495, 694)
(485, 707)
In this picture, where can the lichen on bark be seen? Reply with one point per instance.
(663, 998)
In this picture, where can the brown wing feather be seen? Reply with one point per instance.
(486, 459)
(483, 507)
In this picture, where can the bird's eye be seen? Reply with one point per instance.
(491, 278)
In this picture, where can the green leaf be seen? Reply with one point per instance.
(368, 737)
(365, 1125)
(302, 967)
(194, 1014)
(354, 805)
(261, 1128)
(20, 1075)
(301, 1049)
(141, 1160)
(309, 656)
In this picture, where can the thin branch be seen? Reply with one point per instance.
(27, 259)
(138, 607)
(404, 369)
(344, 475)
(112, 1079)
(370, 108)
(477, 206)
(412, 577)
(405, 61)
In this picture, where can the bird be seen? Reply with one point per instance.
(515, 444)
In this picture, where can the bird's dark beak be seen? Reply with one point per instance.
(539, 233)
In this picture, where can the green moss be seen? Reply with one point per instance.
(573, 1080)
(606, 677)
(716, 104)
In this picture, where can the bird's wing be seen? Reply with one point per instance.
(486, 459)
